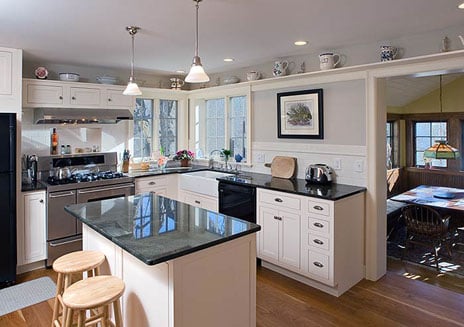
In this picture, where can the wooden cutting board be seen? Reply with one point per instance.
(283, 167)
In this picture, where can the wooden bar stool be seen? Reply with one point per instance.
(99, 293)
(68, 265)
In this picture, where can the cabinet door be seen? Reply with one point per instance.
(44, 94)
(289, 239)
(6, 76)
(10, 79)
(35, 244)
(84, 96)
(115, 98)
(269, 234)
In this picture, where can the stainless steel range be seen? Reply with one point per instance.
(74, 179)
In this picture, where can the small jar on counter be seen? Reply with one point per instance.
(63, 150)
(68, 149)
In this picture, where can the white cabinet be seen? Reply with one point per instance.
(317, 241)
(199, 200)
(56, 94)
(279, 239)
(10, 79)
(156, 184)
(32, 242)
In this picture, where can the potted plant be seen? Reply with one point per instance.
(226, 153)
(184, 156)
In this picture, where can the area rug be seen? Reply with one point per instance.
(25, 294)
(424, 256)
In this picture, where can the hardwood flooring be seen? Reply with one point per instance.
(406, 296)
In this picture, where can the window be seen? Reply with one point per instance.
(222, 123)
(390, 145)
(146, 119)
(425, 135)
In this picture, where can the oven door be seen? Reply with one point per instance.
(105, 192)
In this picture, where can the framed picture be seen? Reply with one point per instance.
(300, 114)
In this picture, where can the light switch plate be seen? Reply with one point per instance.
(359, 166)
(337, 164)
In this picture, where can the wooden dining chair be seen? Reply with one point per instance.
(427, 227)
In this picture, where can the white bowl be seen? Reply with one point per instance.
(231, 80)
(69, 77)
(107, 79)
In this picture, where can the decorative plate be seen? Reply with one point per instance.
(41, 73)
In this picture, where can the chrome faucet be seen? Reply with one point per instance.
(211, 160)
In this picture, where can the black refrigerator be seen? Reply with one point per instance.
(7, 199)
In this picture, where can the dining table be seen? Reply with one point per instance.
(434, 196)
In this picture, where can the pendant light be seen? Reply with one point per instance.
(132, 87)
(441, 149)
(197, 73)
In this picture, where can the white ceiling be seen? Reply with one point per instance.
(92, 32)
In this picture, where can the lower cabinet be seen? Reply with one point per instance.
(156, 184)
(32, 239)
(316, 241)
(198, 200)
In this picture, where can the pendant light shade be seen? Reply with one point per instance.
(132, 87)
(441, 149)
(197, 73)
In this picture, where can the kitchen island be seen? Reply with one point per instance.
(182, 265)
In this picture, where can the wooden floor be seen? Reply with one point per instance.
(406, 296)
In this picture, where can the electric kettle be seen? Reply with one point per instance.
(31, 164)
(319, 174)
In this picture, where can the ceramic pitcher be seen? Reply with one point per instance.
(329, 60)
(280, 68)
(176, 83)
(388, 53)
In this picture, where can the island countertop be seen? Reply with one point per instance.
(156, 229)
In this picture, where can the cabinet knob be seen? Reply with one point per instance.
(318, 208)
(197, 202)
(60, 97)
(109, 99)
(74, 98)
(318, 225)
(317, 241)
(277, 218)
(41, 201)
(278, 200)
(318, 264)
(152, 183)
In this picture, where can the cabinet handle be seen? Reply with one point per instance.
(60, 97)
(109, 99)
(277, 217)
(74, 98)
(318, 225)
(197, 202)
(278, 200)
(41, 201)
(152, 183)
(318, 208)
(318, 264)
(318, 241)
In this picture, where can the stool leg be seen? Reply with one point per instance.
(56, 306)
(67, 317)
(117, 313)
(81, 318)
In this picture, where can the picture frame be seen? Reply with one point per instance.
(300, 114)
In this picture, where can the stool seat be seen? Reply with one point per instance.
(93, 292)
(79, 261)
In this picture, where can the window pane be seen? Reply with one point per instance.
(237, 126)
(422, 129)
(143, 127)
(439, 129)
(215, 124)
(426, 135)
(423, 143)
(168, 126)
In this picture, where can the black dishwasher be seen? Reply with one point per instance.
(237, 201)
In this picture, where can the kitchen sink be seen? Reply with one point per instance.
(203, 182)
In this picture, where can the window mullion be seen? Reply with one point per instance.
(227, 123)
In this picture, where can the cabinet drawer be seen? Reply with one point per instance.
(280, 199)
(204, 202)
(318, 264)
(148, 182)
(319, 225)
(319, 242)
(320, 208)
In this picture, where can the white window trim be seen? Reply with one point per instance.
(198, 98)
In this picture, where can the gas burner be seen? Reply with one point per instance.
(85, 177)
(54, 180)
(109, 174)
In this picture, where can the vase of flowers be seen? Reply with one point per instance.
(184, 156)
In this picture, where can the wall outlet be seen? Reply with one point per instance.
(260, 157)
(359, 166)
(337, 164)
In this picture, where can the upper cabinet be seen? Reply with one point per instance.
(56, 94)
(10, 79)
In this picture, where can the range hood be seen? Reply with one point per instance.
(80, 116)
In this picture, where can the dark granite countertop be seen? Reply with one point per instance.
(171, 170)
(331, 191)
(35, 186)
(156, 229)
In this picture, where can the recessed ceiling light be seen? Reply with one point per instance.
(301, 42)
(461, 6)
(229, 59)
